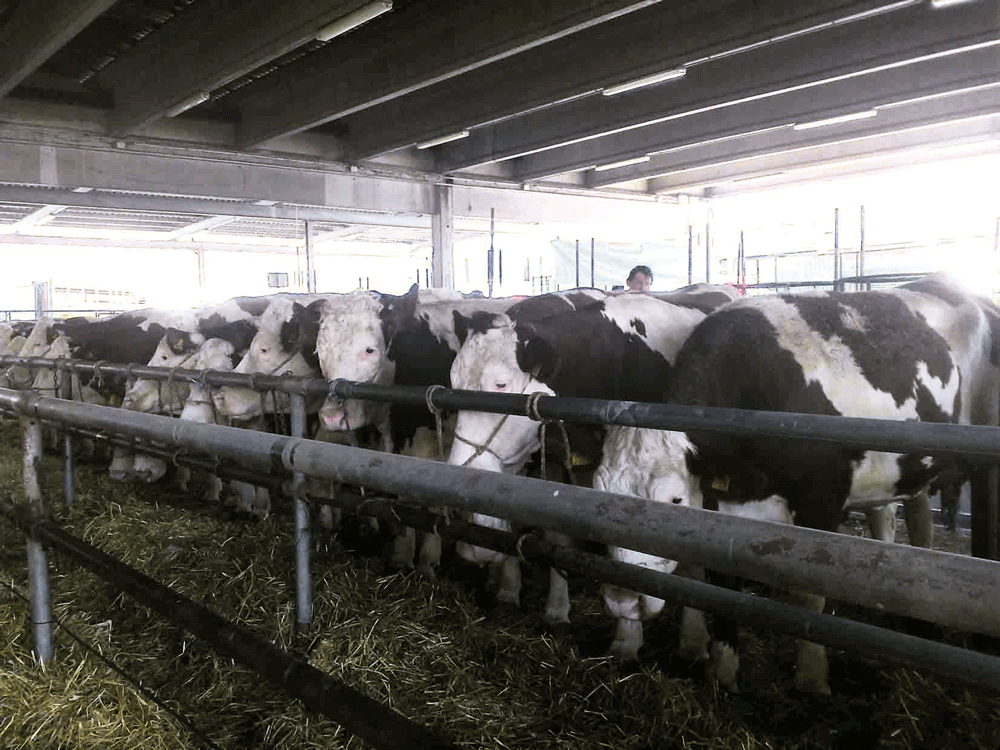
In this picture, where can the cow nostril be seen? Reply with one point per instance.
(677, 501)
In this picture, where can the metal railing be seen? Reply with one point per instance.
(950, 590)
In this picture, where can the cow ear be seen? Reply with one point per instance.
(462, 326)
(398, 311)
(291, 335)
(51, 334)
(536, 356)
(177, 340)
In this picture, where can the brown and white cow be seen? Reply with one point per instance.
(926, 351)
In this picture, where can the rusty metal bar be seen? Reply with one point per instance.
(950, 590)
(868, 434)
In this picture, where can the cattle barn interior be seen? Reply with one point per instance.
(176, 153)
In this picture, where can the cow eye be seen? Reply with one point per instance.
(677, 501)
(370, 350)
(263, 351)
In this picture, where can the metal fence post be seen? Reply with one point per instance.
(303, 578)
(66, 392)
(38, 563)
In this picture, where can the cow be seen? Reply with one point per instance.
(233, 320)
(619, 347)
(37, 343)
(274, 350)
(221, 354)
(388, 339)
(927, 351)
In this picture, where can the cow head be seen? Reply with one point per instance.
(214, 354)
(274, 350)
(46, 380)
(177, 348)
(37, 344)
(653, 465)
(354, 342)
(488, 361)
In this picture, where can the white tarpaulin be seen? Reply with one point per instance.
(614, 260)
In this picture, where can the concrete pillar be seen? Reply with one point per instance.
(443, 238)
(200, 253)
(310, 261)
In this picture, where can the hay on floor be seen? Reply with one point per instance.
(428, 649)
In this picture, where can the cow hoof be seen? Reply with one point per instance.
(723, 666)
(561, 630)
(427, 571)
(623, 651)
(502, 610)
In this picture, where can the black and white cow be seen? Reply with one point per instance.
(620, 347)
(925, 351)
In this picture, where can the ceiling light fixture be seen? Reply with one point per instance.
(443, 139)
(638, 83)
(946, 3)
(617, 164)
(184, 106)
(352, 20)
(864, 115)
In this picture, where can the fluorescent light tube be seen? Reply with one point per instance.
(352, 20)
(184, 106)
(946, 3)
(626, 163)
(443, 139)
(865, 115)
(638, 83)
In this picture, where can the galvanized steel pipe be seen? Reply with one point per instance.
(38, 559)
(303, 543)
(359, 714)
(930, 438)
(950, 590)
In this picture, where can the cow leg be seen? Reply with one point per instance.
(213, 493)
(122, 463)
(627, 641)
(724, 654)
(261, 502)
(404, 547)
(557, 603)
(919, 519)
(882, 522)
(183, 477)
(508, 571)
(430, 555)
(694, 638)
(811, 670)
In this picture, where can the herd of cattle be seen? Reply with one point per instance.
(926, 351)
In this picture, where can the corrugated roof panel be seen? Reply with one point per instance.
(286, 229)
(143, 221)
(14, 212)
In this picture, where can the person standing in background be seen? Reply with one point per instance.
(639, 279)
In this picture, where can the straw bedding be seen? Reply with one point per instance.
(428, 649)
